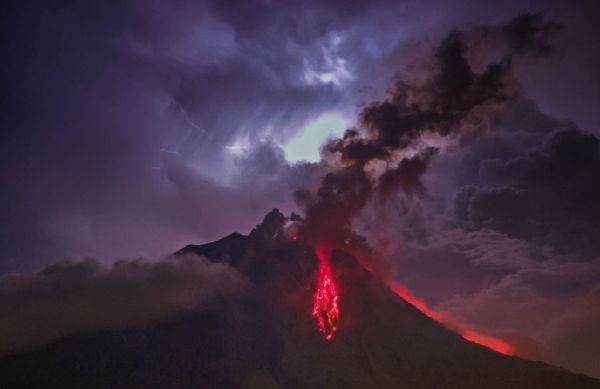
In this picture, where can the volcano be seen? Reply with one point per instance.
(274, 336)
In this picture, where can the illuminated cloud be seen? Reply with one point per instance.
(305, 146)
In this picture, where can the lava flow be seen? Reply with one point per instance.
(325, 306)
(446, 319)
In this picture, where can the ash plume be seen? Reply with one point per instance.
(397, 138)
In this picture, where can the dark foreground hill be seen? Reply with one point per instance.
(268, 339)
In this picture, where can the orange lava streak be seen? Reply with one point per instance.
(445, 318)
(491, 342)
(325, 308)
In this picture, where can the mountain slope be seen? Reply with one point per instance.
(268, 338)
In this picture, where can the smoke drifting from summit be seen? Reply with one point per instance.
(397, 138)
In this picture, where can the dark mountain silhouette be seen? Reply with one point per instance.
(268, 338)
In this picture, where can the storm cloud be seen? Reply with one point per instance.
(548, 194)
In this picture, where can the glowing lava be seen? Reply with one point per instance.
(446, 319)
(327, 312)
(325, 305)
(490, 342)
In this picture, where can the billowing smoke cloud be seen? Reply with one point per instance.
(547, 194)
(397, 137)
(84, 296)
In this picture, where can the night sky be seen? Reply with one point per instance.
(471, 168)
